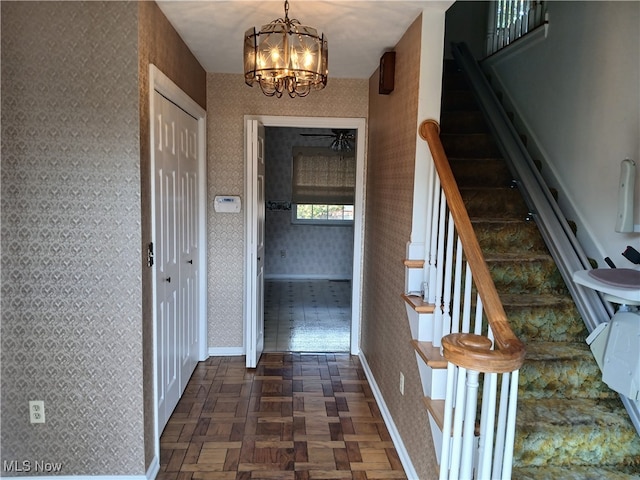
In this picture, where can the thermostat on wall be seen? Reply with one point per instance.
(227, 203)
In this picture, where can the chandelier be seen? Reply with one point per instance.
(285, 56)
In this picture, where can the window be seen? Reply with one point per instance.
(323, 185)
(325, 214)
(323, 176)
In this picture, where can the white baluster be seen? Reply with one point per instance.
(511, 426)
(445, 455)
(501, 429)
(487, 425)
(456, 438)
(468, 438)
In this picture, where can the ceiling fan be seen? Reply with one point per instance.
(342, 139)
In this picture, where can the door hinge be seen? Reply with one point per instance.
(150, 255)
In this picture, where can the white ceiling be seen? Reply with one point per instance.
(358, 31)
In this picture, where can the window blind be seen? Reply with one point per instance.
(323, 176)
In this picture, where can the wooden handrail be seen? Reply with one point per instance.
(465, 349)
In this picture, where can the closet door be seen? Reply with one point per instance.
(188, 244)
(176, 250)
(167, 273)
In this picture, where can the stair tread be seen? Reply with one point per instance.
(541, 299)
(430, 354)
(506, 217)
(413, 263)
(545, 351)
(489, 188)
(466, 134)
(436, 409)
(475, 159)
(498, 220)
(517, 257)
(419, 305)
(577, 472)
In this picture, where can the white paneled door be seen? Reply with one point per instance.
(176, 251)
(256, 213)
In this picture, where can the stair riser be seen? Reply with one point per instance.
(530, 277)
(500, 203)
(434, 381)
(478, 145)
(550, 472)
(458, 100)
(509, 237)
(562, 379)
(547, 324)
(455, 80)
(463, 122)
(481, 172)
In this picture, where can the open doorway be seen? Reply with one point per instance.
(309, 232)
(254, 320)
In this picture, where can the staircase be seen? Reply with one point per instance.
(570, 425)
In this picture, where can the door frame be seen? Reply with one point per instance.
(356, 123)
(161, 83)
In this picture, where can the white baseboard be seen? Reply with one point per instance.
(297, 278)
(388, 420)
(226, 351)
(154, 468)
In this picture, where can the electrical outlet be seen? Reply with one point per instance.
(401, 383)
(283, 253)
(36, 411)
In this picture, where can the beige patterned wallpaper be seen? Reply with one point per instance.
(228, 100)
(390, 175)
(71, 272)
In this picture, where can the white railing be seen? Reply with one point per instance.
(481, 350)
(511, 19)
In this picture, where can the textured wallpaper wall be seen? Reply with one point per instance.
(228, 100)
(390, 175)
(70, 230)
(317, 251)
(159, 44)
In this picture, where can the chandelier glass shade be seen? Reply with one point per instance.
(285, 56)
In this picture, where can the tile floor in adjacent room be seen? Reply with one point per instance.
(307, 316)
(295, 417)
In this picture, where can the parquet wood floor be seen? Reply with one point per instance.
(295, 417)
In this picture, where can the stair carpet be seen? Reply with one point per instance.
(570, 425)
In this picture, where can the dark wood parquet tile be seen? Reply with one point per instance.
(294, 417)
